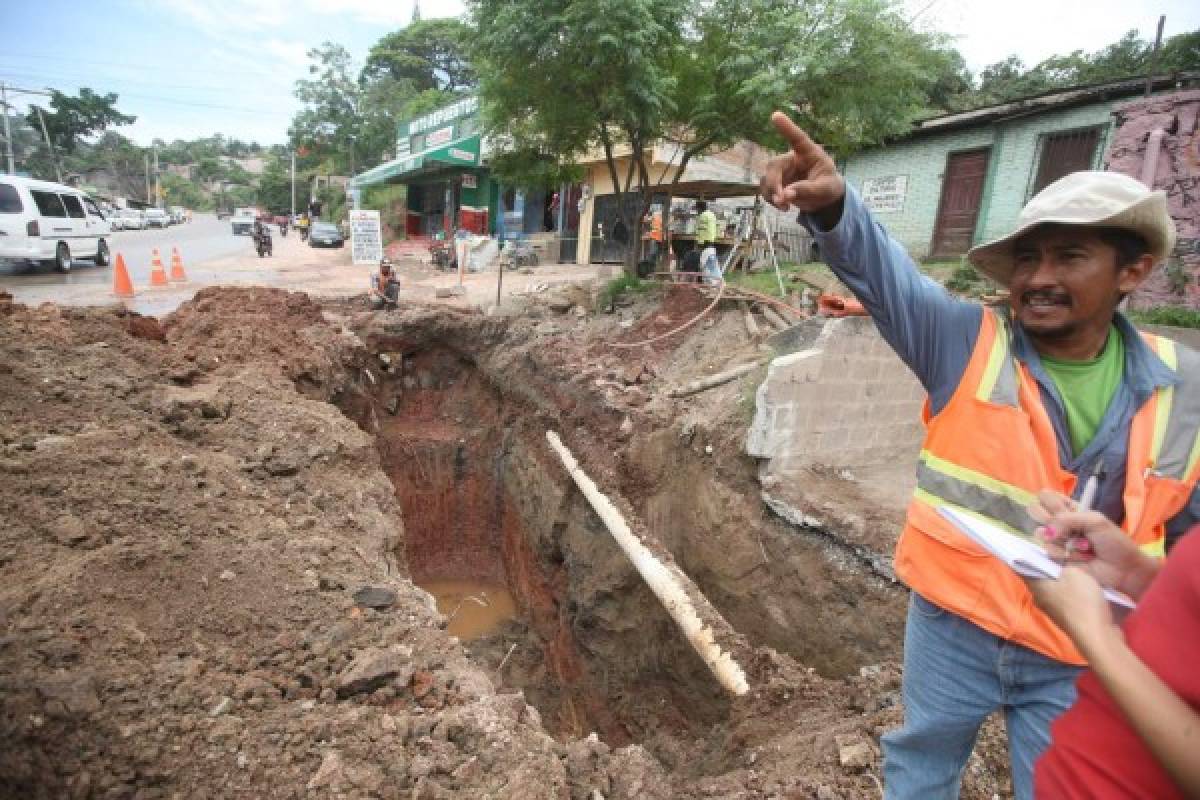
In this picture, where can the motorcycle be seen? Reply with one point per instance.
(283, 229)
(262, 243)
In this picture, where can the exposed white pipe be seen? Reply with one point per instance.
(1150, 159)
(665, 582)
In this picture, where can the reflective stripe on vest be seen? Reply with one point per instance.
(1176, 447)
(1174, 451)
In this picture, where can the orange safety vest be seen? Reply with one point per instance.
(989, 452)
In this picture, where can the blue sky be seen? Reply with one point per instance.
(190, 68)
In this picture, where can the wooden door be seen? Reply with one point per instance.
(962, 193)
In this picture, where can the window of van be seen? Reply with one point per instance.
(91, 207)
(10, 201)
(48, 203)
(74, 207)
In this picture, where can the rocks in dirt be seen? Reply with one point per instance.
(375, 667)
(854, 751)
(377, 597)
(68, 694)
(559, 303)
(71, 531)
(223, 705)
(626, 429)
(393, 405)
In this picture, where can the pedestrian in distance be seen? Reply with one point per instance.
(1054, 388)
(706, 243)
(1134, 731)
(385, 288)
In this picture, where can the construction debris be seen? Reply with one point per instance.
(713, 381)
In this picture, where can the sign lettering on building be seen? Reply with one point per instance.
(469, 182)
(440, 136)
(885, 193)
(366, 237)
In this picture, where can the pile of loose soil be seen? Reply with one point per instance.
(204, 590)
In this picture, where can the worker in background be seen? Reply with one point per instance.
(1135, 729)
(706, 243)
(1046, 393)
(302, 225)
(385, 288)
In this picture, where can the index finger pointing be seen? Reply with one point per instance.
(797, 138)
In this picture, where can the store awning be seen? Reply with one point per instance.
(459, 153)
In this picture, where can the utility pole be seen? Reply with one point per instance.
(293, 184)
(147, 159)
(12, 167)
(1162, 19)
(157, 181)
(49, 144)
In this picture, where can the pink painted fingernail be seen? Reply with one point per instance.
(1083, 545)
(1049, 533)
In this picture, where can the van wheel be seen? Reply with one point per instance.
(102, 256)
(62, 258)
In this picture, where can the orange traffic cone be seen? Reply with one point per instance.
(177, 273)
(122, 286)
(158, 275)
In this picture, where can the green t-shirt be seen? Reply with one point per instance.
(1087, 387)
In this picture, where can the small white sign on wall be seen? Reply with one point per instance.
(885, 193)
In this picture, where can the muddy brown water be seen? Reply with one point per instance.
(475, 609)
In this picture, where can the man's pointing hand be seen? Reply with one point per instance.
(805, 178)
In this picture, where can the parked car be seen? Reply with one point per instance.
(132, 219)
(114, 219)
(50, 223)
(177, 214)
(324, 234)
(156, 218)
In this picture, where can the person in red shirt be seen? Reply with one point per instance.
(1134, 731)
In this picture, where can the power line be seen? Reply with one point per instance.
(115, 79)
(136, 65)
(173, 101)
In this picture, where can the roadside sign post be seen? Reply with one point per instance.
(366, 237)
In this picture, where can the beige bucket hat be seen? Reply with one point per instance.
(1099, 199)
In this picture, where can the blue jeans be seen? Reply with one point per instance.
(955, 675)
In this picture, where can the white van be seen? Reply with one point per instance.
(52, 223)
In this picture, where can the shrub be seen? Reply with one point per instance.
(1168, 315)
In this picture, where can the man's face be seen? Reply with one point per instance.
(1066, 279)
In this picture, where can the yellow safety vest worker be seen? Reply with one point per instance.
(993, 447)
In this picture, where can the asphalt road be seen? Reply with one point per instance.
(203, 239)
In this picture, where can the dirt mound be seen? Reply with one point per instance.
(194, 511)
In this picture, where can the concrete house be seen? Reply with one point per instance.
(962, 178)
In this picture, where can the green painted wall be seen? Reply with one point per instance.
(1015, 149)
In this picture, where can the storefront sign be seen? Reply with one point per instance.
(885, 193)
(440, 136)
(469, 182)
(366, 238)
(468, 105)
(461, 155)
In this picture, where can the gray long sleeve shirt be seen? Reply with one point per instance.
(934, 333)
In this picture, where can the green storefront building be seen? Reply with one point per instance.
(440, 159)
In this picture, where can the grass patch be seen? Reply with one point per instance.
(1167, 315)
(619, 286)
(765, 283)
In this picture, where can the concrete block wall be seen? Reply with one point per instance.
(848, 401)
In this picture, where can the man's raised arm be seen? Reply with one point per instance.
(930, 330)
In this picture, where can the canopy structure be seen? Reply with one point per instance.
(458, 153)
(710, 189)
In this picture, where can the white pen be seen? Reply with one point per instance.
(1087, 499)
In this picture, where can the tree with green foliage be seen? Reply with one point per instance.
(427, 54)
(559, 78)
(69, 122)
(1128, 57)
(328, 125)
(275, 186)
